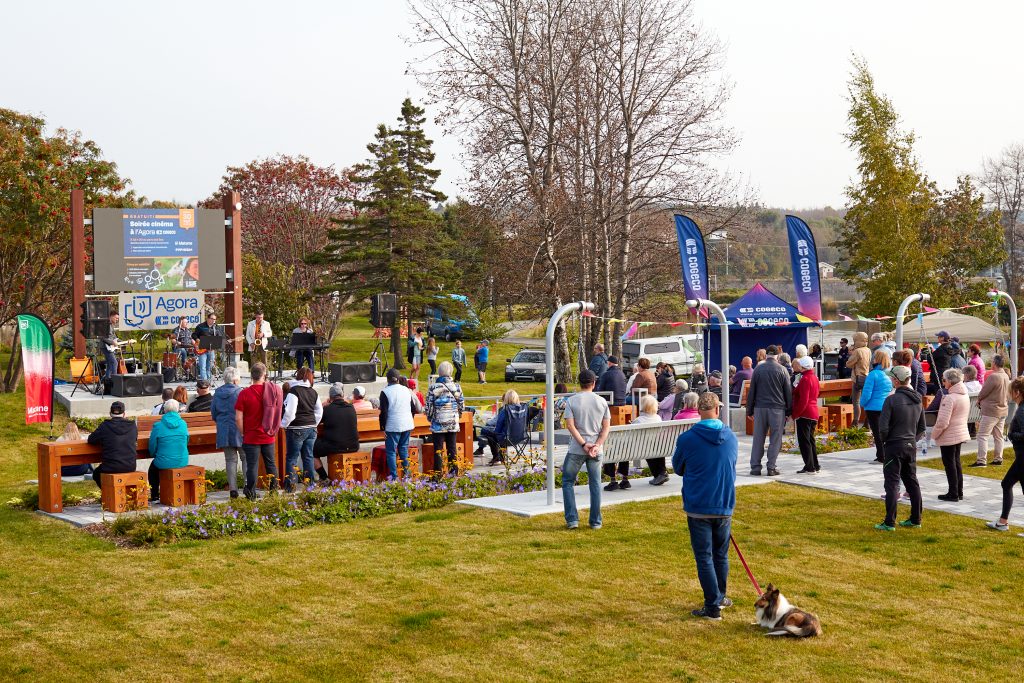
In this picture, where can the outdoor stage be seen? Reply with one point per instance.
(85, 404)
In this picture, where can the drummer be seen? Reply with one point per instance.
(182, 340)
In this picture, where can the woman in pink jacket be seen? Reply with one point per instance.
(950, 431)
(974, 358)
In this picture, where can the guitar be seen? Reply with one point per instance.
(116, 348)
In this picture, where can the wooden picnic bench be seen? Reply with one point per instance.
(636, 442)
(202, 438)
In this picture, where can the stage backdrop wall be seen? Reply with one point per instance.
(758, 313)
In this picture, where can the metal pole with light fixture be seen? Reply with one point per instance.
(549, 387)
(724, 326)
(920, 296)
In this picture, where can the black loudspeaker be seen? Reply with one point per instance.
(169, 374)
(352, 373)
(137, 385)
(383, 310)
(97, 309)
(96, 323)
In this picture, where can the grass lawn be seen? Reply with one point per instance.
(354, 342)
(471, 595)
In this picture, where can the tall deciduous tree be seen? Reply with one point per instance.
(391, 240)
(582, 119)
(1002, 178)
(289, 203)
(37, 173)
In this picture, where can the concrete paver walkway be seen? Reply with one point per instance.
(851, 472)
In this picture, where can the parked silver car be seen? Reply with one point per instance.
(526, 366)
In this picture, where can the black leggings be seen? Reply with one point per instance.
(433, 365)
(954, 471)
(873, 416)
(1014, 476)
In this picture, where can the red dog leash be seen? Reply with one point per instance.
(745, 566)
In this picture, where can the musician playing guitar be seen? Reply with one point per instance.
(206, 329)
(182, 341)
(257, 334)
(111, 346)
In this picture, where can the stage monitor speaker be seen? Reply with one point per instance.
(127, 386)
(168, 374)
(352, 373)
(383, 310)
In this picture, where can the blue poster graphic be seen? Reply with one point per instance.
(161, 248)
(693, 258)
(803, 254)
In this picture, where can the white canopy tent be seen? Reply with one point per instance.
(966, 327)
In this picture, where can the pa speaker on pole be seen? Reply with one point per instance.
(383, 310)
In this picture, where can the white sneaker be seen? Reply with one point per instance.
(997, 526)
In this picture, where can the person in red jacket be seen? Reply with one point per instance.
(805, 412)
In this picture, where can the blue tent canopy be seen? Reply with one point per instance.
(756, 319)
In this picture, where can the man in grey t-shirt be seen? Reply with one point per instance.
(587, 418)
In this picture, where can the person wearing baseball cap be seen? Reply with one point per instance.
(359, 400)
(118, 440)
(587, 418)
(942, 357)
(805, 413)
(613, 381)
(900, 427)
(203, 400)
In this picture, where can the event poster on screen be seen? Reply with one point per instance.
(161, 249)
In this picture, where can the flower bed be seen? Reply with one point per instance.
(337, 502)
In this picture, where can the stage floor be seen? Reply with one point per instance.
(85, 404)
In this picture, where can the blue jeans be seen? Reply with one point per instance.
(253, 454)
(111, 361)
(570, 469)
(710, 541)
(396, 445)
(204, 362)
(182, 356)
(304, 356)
(300, 443)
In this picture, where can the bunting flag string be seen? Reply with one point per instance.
(843, 317)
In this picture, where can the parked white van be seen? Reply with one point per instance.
(681, 351)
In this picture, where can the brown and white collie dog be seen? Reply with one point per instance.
(783, 619)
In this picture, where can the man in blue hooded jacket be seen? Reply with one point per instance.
(705, 458)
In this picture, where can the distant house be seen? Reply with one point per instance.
(826, 271)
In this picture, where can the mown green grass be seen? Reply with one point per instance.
(470, 595)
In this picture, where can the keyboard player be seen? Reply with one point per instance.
(303, 335)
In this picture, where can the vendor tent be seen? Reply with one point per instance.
(757, 319)
(966, 327)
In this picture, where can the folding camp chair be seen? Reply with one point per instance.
(517, 431)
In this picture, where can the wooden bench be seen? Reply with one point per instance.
(146, 422)
(183, 486)
(349, 466)
(52, 455)
(202, 438)
(636, 442)
(621, 415)
(123, 492)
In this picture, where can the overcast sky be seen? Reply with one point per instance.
(176, 91)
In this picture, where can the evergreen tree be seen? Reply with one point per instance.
(392, 240)
(881, 236)
(900, 234)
